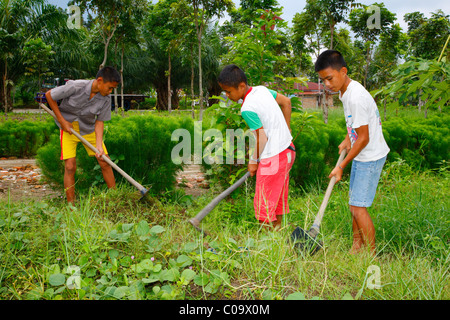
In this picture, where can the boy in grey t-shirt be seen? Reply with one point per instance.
(85, 105)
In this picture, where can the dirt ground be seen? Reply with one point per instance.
(21, 179)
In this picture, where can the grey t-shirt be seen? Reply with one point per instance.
(76, 106)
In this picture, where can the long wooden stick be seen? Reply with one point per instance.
(104, 157)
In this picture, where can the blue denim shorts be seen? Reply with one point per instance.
(364, 178)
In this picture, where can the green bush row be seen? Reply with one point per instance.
(22, 139)
(422, 143)
(141, 145)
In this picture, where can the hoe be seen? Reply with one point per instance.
(141, 189)
(307, 240)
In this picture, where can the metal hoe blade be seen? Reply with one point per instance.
(305, 241)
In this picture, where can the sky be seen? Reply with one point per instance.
(399, 7)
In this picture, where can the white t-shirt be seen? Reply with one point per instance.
(360, 109)
(260, 109)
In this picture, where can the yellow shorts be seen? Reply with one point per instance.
(69, 143)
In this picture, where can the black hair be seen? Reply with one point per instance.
(109, 74)
(330, 58)
(232, 76)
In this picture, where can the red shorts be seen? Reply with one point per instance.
(272, 186)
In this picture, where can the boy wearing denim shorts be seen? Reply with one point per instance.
(268, 114)
(364, 143)
(84, 106)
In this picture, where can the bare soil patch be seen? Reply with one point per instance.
(22, 179)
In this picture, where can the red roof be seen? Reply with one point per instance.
(310, 86)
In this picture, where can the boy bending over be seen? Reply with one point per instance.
(85, 105)
(268, 114)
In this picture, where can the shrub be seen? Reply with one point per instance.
(140, 145)
(422, 143)
(22, 139)
(316, 149)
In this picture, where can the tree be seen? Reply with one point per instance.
(167, 27)
(392, 47)
(307, 29)
(37, 57)
(333, 12)
(254, 48)
(353, 52)
(245, 14)
(19, 22)
(426, 35)
(107, 17)
(428, 80)
(359, 24)
(155, 68)
(127, 35)
(203, 11)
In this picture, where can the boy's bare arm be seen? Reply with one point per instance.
(346, 144)
(286, 107)
(65, 125)
(99, 127)
(360, 143)
(261, 140)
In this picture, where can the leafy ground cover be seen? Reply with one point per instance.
(111, 246)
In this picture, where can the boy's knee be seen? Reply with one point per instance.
(70, 166)
(103, 164)
(358, 211)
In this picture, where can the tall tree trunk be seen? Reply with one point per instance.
(106, 41)
(420, 104)
(199, 28)
(121, 80)
(169, 89)
(192, 84)
(5, 87)
(200, 74)
(161, 96)
(366, 67)
(331, 36)
(116, 107)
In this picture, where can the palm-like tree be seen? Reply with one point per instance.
(22, 20)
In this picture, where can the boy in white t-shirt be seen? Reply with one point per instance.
(268, 114)
(364, 143)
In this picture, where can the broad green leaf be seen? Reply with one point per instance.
(157, 230)
(151, 279)
(296, 296)
(57, 279)
(127, 227)
(142, 228)
(187, 275)
(169, 275)
(201, 279)
(347, 296)
(183, 261)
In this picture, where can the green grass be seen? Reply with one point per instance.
(111, 246)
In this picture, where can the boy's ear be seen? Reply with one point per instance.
(344, 70)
